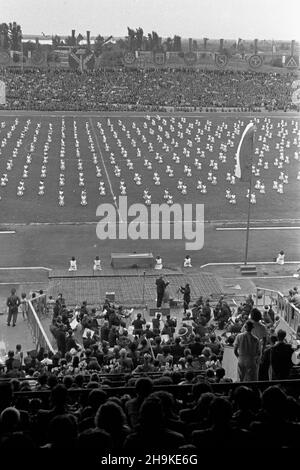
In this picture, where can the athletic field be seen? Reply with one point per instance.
(192, 158)
(57, 169)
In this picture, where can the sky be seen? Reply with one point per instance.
(229, 19)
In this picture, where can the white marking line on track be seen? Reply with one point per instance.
(24, 268)
(240, 263)
(83, 222)
(257, 277)
(222, 229)
(22, 283)
(105, 169)
(7, 232)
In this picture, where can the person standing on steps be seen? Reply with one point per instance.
(160, 289)
(186, 291)
(13, 303)
(248, 351)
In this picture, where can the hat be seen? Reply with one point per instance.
(182, 331)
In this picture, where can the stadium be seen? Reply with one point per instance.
(149, 256)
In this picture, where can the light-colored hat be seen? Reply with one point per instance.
(182, 331)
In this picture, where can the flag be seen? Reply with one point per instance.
(74, 60)
(110, 39)
(88, 61)
(79, 38)
(244, 154)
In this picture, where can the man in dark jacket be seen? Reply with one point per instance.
(59, 333)
(206, 313)
(160, 289)
(177, 349)
(70, 342)
(186, 291)
(138, 324)
(281, 357)
(104, 331)
(12, 303)
(170, 326)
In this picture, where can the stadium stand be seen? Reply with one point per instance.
(135, 89)
(110, 372)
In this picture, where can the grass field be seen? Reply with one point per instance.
(69, 151)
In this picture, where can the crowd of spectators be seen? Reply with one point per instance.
(71, 399)
(146, 89)
(150, 420)
(109, 344)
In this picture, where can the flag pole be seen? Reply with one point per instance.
(248, 221)
(249, 208)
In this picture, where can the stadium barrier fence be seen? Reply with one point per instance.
(39, 335)
(284, 308)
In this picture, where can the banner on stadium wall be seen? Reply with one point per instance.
(74, 60)
(145, 57)
(2, 93)
(221, 60)
(292, 62)
(81, 59)
(88, 61)
(190, 58)
(159, 58)
(4, 58)
(173, 58)
(37, 58)
(255, 61)
(205, 57)
(129, 58)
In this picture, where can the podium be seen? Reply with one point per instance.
(132, 260)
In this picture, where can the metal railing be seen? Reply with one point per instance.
(39, 335)
(284, 308)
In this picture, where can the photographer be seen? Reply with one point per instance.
(186, 291)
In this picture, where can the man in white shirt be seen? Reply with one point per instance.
(46, 361)
(247, 350)
(259, 330)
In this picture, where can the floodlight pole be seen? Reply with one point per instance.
(144, 275)
(248, 221)
(22, 56)
(249, 206)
